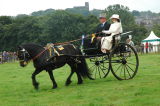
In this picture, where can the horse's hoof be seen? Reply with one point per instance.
(68, 82)
(54, 87)
(36, 86)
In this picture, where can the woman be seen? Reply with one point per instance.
(115, 28)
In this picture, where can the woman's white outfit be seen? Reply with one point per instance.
(106, 42)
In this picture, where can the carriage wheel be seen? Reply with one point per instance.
(124, 62)
(99, 66)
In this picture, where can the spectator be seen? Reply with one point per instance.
(130, 42)
(150, 47)
(146, 47)
(142, 48)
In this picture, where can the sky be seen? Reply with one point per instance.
(15, 7)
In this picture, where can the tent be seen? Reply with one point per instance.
(153, 40)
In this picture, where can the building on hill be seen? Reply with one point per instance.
(84, 10)
(82, 7)
(147, 20)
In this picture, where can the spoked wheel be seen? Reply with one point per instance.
(99, 66)
(124, 62)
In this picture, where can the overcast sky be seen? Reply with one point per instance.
(14, 7)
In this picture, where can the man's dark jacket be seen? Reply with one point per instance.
(102, 27)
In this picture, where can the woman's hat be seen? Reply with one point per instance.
(116, 16)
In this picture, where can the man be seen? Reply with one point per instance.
(146, 46)
(104, 25)
(142, 48)
(129, 41)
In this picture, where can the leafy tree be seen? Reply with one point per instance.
(128, 22)
(22, 30)
(156, 29)
(126, 17)
(63, 26)
(5, 20)
(136, 13)
(96, 12)
(91, 24)
(42, 13)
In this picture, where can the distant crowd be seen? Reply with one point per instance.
(144, 47)
(6, 57)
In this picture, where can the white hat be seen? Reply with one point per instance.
(115, 16)
(130, 36)
(102, 15)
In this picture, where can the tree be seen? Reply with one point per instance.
(128, 22)
(5, 20)
(136, 13)
(126, 17)
(43, 13)
(96, 12)
(22, 30)
(91, 24)
(156, 29)
(64, 26)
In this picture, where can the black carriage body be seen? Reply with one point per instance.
(91, 48)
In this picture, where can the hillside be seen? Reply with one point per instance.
(146, 18)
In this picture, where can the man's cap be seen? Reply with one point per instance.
(102, 15)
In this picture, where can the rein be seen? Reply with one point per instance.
(75, 39)
(61, 44)
(39, 54)
(68, 42)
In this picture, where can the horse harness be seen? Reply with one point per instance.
(52, 50)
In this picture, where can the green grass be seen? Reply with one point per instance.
(16, 88)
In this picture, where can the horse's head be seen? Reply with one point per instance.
(23, 56)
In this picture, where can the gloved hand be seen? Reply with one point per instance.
(104, 31)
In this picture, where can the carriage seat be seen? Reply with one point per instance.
(91, 47)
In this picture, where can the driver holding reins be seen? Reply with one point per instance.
(104, 25)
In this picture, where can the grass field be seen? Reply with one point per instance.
(144, 90)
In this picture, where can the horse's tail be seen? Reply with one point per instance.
(83, 69)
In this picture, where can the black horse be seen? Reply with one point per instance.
(42, 61)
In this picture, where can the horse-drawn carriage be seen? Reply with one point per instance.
(122, 60)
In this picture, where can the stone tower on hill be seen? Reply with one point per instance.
(87, 5)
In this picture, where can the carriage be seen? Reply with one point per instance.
(122, 60)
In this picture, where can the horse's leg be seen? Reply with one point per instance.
(34, 82)
(80, 81)
(74, 67)
(68, 81)
(52, 78)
